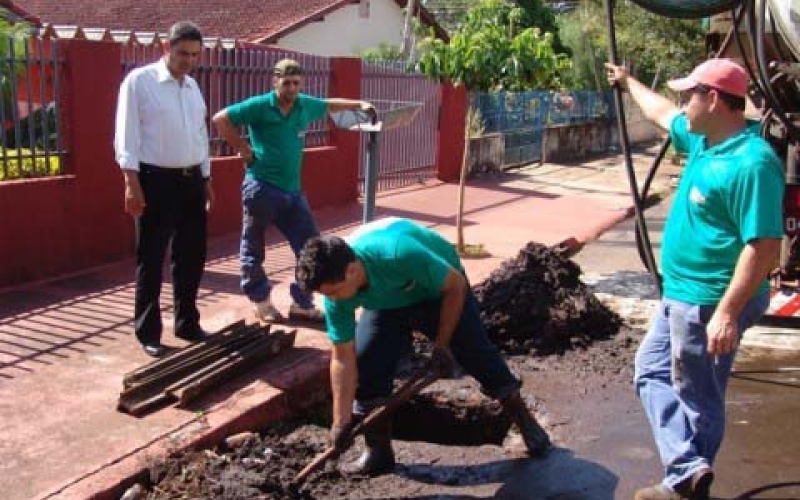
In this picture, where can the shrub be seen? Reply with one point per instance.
(20, 164)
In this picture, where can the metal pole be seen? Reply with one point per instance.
(371, 177)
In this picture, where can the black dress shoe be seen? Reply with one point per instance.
(155, 349)
(196, 335)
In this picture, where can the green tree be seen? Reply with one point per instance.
(490, 52)
(383, 52)
(656, 47)
(536, 14)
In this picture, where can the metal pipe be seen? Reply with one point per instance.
(370, 177)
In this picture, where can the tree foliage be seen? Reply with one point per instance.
(536, 14)
(13, 38)
(491, 52)
(382, 52)
(657, 48)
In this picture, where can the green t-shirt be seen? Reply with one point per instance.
(277, 140)
(729, 194)
(405, 264)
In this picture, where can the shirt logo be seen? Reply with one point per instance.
(409, 285)
(696, 197)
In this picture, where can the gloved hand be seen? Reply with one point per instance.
(341, 436)
(442, 362)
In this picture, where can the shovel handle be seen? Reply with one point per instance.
(315, 464)
(412, 386)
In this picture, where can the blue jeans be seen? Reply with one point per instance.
(682, 388)
(262, 205)
(383, 336)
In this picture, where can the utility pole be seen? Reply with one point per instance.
(405, 49)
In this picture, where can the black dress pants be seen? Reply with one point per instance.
(175, 213)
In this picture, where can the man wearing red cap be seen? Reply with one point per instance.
(721, 239)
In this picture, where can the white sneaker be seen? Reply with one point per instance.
(266, 312)
(296, 311)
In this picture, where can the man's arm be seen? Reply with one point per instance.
(655, 107)
(454, 292)
(344, 378)
(755, 262)
(231, 135)
(127, 140)
(340, 104)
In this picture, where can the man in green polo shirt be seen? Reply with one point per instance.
(721, 239)
(271, 192)
(404, 277)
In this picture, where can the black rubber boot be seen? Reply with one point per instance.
(535, 438)
(378, 456)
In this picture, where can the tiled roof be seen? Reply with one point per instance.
(251, 20)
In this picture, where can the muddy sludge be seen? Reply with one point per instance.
(263, 467)
(535, 303)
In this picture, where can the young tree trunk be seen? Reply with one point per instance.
(462, 183)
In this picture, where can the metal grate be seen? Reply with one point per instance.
(408, 153)
(32, 143)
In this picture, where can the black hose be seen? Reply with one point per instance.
(654, 167)
(640, 244)
(643, 239)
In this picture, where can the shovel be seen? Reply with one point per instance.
(409, 389)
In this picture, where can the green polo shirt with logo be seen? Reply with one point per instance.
(277, 140)
(729, 194)
(405, 264)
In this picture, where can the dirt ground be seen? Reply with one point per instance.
(450, 437)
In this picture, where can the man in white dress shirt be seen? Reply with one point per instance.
(161, 145)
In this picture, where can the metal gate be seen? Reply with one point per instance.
(407, 155)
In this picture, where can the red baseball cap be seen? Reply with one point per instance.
(721, 74)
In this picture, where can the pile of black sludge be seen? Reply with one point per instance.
(536, 303)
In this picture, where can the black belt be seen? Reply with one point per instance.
(190, 171)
